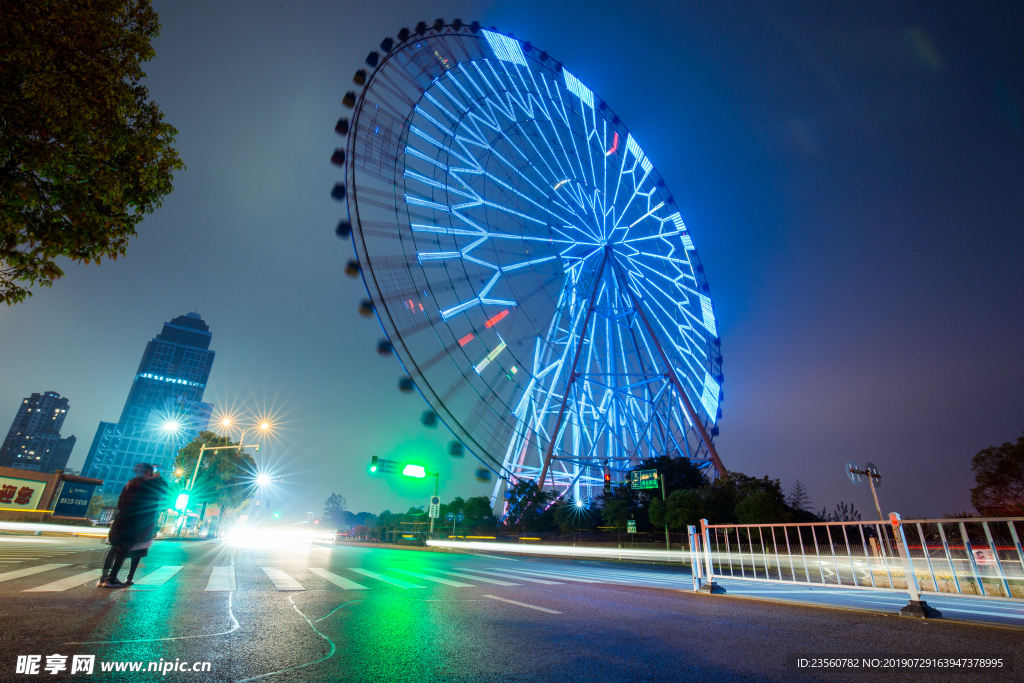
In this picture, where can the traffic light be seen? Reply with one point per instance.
(373, 464)
(316, 521)
(607, 479)
(182, 502)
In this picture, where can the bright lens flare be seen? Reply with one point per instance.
(171, 426)
(414, 471)
(264, 426)
(262, 479)
(579, 503)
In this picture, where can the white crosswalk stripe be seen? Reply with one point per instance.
(65, 584)
(155, 579)
(513, 576)
(436, 579)
(496, 582)
(386, 579)
(29, 571)
(221, 579)
(339, 581)
(282, 581)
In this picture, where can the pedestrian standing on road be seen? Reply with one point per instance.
(132, 530)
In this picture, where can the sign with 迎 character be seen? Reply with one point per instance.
(22, 494)
(73, 499)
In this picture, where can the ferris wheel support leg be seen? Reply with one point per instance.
(704, 437)
(599, 275)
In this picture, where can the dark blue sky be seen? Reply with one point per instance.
(853, 177)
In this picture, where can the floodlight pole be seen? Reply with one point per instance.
(871, 480)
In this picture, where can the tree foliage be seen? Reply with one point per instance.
(798, 498)
(334, 511)
(762, 507)
(84, 152)
(224, 477)
(999, 479)
(842, 513)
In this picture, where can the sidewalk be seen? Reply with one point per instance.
(993, 611)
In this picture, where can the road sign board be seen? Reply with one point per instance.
(459, 517)
(450, 517)
(850, 467)
(435, 506)
(631, 526)
(644, 479)
(387, 466)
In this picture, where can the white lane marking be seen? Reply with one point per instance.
(478, 578)
(523, 604)
(29, 571)
(513, 576)
(154, 580)
(281, 580)
(339, 581)
(553, 575)
(70, 582)
(221, 579)
(385, 579)
(436, 579)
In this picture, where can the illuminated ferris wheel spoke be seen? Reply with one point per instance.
(536, 239)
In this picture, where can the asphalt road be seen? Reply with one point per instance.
(314, 613)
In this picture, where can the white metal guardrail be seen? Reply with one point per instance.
(970, 556)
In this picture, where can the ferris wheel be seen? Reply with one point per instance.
(526, 261)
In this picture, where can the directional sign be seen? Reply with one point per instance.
(459, 517)
(387, 466)
(450, 517)
(631, 526)
(644, 479)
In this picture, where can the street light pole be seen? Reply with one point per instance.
(437, 483)
(668, 543)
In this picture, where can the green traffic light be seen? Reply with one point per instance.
(414, 471)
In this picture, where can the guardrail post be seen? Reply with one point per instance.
(710, 586)
(695, 560)
(916, 607)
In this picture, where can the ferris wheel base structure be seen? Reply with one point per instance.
(527, 262)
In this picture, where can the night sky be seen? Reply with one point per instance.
(852, 175)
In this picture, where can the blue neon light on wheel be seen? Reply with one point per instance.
(528, 263)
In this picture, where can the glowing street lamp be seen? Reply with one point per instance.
(416, 471)
(420, 472)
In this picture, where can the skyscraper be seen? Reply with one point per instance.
(34, 442)
(164, 409)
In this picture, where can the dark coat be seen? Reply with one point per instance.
(138, 507)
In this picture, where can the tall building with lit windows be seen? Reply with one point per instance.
(34, 442)
(164, 409)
